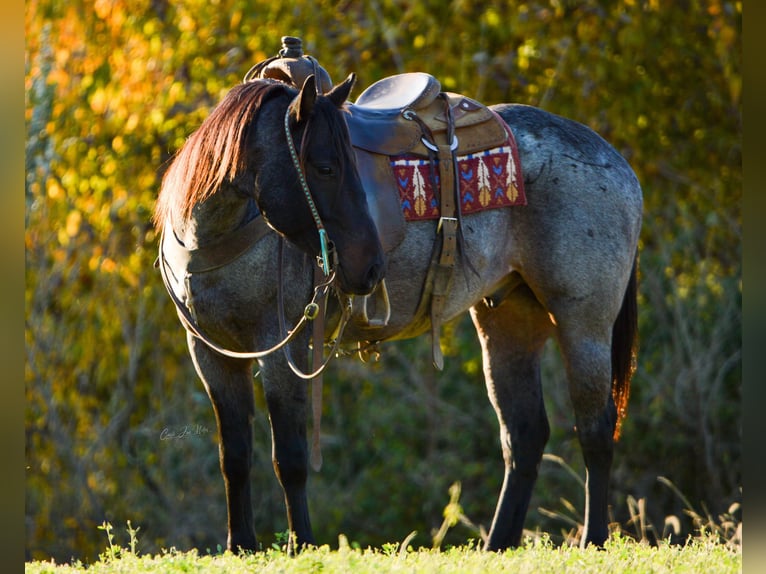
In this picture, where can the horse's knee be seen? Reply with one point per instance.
(236, 459)
(291, 467)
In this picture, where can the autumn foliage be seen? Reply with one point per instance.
(119, 428)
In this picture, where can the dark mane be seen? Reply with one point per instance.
(212, 154)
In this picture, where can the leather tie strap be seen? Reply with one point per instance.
(317, 335)
(447, 228)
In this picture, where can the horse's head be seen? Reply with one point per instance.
(317, 187)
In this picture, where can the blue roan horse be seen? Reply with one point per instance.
(269, 185)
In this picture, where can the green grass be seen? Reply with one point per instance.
(716, 547)
(620, 555)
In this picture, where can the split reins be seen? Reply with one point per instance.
(312, 311)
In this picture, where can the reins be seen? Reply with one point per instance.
(190, 322)
(315, 312)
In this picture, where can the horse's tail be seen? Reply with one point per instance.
(624, 348)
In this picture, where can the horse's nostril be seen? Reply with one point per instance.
(375, 274)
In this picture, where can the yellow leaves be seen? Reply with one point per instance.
(73, 221)
(525, 52)
(102, 8)
(55, 192)
(127, 271)
(492, 18)
(156, 117)
(112, 12)
(99, 101)
(186, 23)
(236, 19)
(108, 169)
(59, 77)
(118, 144)
(106, 265)
(176, 93)
(132, 123)
(71, 227)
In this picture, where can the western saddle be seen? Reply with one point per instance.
(405, 114)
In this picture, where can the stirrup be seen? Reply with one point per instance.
(382, 296)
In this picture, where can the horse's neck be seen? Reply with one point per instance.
(216, 217)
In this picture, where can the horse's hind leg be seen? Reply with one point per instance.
(229, 384)
(512, 336)
(585, 343)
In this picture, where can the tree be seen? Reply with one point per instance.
(113, 89)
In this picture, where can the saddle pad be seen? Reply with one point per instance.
(487, 180)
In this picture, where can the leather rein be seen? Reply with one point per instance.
(314, 312)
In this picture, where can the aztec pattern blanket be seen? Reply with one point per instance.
(487, 180)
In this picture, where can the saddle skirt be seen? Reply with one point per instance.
(398, 168)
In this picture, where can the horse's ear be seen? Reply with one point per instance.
(339, 94)
(306, 99)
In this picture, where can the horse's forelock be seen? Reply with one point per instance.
(214, 153)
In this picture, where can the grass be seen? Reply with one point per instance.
(621, 554)
(716, 547)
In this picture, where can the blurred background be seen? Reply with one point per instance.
(118, 427)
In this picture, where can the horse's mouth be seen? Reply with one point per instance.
(363, 283)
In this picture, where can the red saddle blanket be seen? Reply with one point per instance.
(487, 180)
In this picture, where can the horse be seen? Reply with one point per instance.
(564, 265)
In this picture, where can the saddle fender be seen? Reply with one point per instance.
(382, 200)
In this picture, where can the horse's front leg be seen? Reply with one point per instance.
(287, 401)
(229, 384)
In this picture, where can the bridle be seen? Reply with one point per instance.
(314, 311)
(323, 240)
(311, 312)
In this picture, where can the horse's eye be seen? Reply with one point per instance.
(325, 170)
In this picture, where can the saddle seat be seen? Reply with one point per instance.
(381, 120)
(390, 95)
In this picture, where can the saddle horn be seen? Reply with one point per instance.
(292, 67)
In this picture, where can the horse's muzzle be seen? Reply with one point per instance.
(365, 282)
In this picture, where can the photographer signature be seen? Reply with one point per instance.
(185, 431)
